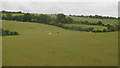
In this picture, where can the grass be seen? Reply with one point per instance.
(87, 26)
(35, 47)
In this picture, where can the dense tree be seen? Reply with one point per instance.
(16, 33)
(61, 18)
(95, 16)
(90, 16)
(3, 17)
(3, 11)
(10, 12)
(108, 25)
(8, 16)
(19, 12)
(27, 17)
(100, 23)
(5, 32)
(69, 20)
(43, 19)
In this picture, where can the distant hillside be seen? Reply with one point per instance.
(109, 24)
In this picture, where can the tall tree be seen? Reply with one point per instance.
(43, 19)
(8, 16)
(61, 18)
(27, 17)
(100, 23)
(69, 20)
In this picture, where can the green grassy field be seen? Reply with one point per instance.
(35, 47)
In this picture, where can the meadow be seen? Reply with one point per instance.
(36, 47)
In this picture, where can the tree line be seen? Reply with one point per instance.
(94, 16)
(10, 12)
(109, 29)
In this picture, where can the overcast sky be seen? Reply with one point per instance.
(77, 8)
(60, 0)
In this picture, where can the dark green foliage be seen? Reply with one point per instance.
(61, 18)
(3, 16)
(112, 28)
(10, 12)
(5, 32)
(69, 20)
(17, 18)
(16, 33)
(79, 28)
(104, 30)
(8, 16)
(19, 12)
(4, 11)
(108, 25)
(43, 19)
(8, 32)
(95, 16)
(117, 27)
(27, 17)
(100, 23)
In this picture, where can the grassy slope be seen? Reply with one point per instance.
(34, 46)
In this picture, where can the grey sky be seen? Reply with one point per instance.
(60, 0)
(77, 8)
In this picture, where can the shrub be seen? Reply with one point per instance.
(8, 32)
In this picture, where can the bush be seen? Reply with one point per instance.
(8, 32)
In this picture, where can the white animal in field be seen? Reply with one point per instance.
(90, 32)
(50, 33)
